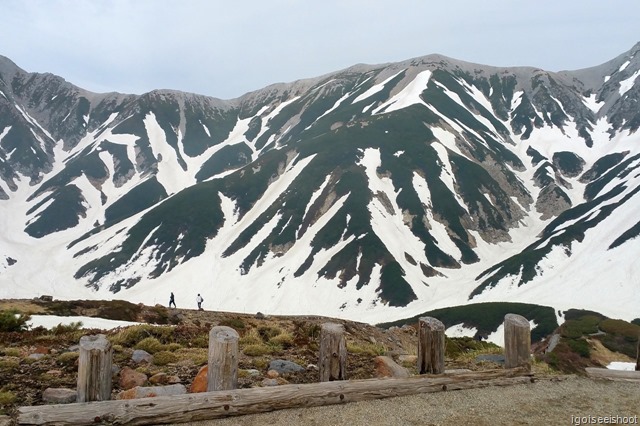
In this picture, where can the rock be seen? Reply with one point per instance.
(55, 373)
(141, 356)
(253, 372)
(115, 369)
(74, 348)
(260, 316)
(152, 391)
(498, 359)
(46, 298)
(285, 367)
(5, 421)
(200, 383)
(273, 374)
(159, 379)
(41, 350)
(130, 378)
(36, 356)
(312, 367)
(59, 395)
(270, 382)
(172, 380)
(387, 367)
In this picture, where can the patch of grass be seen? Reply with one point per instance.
(151, 345)
(250, 338)
(129, 336)
(256, 350)
(164, 358)
(371, 349)
(7, 398)
(576, 328)
(199, 356)
(11, 352)
(267, 333)
(68, 358)
(9, 363)
(235, 323)
(459, 346)
(628, 330)
(283, 339)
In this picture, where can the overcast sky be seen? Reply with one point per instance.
(225, 48)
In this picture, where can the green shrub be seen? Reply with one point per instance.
(579, 346)
(250, 338)
(151, 345)
(12, 320)
(9, 363)
(164, 358)
(7, 398)
(576, 328)
(622, 328)
(129, 336)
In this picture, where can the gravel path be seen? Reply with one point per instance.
(546, 402)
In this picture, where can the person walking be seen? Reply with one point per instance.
(172, 300)
(199, 300)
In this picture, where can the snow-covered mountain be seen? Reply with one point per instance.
(372, 193)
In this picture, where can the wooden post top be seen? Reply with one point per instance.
(432, 323)
(333, 327)
(223, 333)
(98, 341)
(516, 320)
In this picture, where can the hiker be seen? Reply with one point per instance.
(199, 299)
(172, 300)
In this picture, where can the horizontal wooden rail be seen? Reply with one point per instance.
(605, 373)
(225, 403)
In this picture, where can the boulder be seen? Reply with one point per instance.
(59, 395)
(152, 391)
(130, 378)
(285, 367)
(200, 383)
(387, 367)
(141, 356)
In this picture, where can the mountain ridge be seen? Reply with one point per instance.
(312, 186)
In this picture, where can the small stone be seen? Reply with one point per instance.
(253, 372)
(41, 350)
(129, 378)
(312, 367)
(270, 382)
(141, 356)
(173, 380)
(273, 374)
(56, 373)
(59, 395)
(159, 379)
(260, 316)
(285, 367)
(36, 356)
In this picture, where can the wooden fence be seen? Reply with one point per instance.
(222, 399)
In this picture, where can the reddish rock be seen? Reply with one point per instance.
(387, 367)
(130, 378)
(159, 379)
(273, 374)
(200, 383)
(41, 350)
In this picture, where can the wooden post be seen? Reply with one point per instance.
(333, 353)
(94, 369)
(223, 359)
(431, 346)
(517, 341)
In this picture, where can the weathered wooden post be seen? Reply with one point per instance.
(517, 341)
(222, 371)
(431, 346)
(333, 353)
(94, 369)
